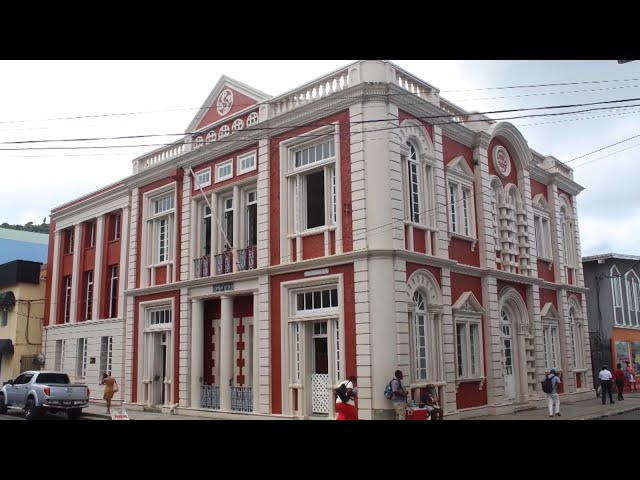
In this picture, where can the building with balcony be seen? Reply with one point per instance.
(356, 225)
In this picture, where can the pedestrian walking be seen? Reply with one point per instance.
(605, 382)
(399, 396)
(618, 375)
(110, 388)
(345, 405)
(631, 378)
(553, 398)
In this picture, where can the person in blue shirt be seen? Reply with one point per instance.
(553, 398)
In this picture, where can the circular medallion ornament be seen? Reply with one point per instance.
(225, 102)
(501, 161)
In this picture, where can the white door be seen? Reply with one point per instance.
(320, 366)
(508, 376)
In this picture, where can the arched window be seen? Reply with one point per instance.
(238, 124)
(495, 196)
(252, 119)
(633, 295)
(211, 137)
(568, 236)
(550, 336)
(224, 132)
(576, 328)
(199, 142)
(419, 327)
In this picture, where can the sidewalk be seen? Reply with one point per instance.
(99, 412)
(584, 410)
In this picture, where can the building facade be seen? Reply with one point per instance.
(22, 290)
(613, 306)
(354, 226)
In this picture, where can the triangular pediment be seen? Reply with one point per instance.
(549, 311)
(540, 202)
(467, 302)
(227, 98)
(459, 166)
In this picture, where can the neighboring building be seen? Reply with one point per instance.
(613, 306)
(355, 225)
(21, 314)
(20, 244)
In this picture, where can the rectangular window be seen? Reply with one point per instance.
(106, 354)
(89, 297)
(228, 223)
(58, 363)
(116, 230)
(81, 358)
(551, 344)
(315, 153)
(414, 192)
(67, 298)
(4, 317)
(420, 345)
(160, 317)
(224, 171)
(91, 235)
(318, 299)
(205, 241)
(113, 292)
(203, 178)
(468, 349)
(315, 199)
(163, 240)
(543, 237)
(252, 219)
(163, 204)
(460, 209)
(246, 163)
(69, 240)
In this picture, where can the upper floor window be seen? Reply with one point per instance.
(543, 236)
(228, 222)
(616, 287)
(418, 186)
(211, 137)
(205, 241)
(224, 170)
(158, 317)
(116, 228)
(312, 185)
(203, 178)
(89, 297)
(246, 162)
(67, 299)
(113, 292)
(238, 124)
(68, 240)
(252, 218)
(224, 132)
(317, 300)
(252, 119)
(160, 227)
(460, 195)
(198, 142)
(568, 234)
(90, 232)
(633, 288)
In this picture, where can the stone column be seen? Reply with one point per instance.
(122, 269)
(226, 351)
(197, 350)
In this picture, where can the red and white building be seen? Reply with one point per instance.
(354, 226)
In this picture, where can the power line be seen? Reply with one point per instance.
(543, 85)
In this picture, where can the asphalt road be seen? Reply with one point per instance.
(16, 415)
(634, 415)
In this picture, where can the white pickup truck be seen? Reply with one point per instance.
(38, 392)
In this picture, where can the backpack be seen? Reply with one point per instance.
(388, 390)
(547, 385)
(341, 391)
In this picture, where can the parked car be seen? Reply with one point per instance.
(37, 392)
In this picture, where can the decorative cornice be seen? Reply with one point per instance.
(121, 193)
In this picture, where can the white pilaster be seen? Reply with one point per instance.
(484, 213)
(255, 386)
(263, 330)
(122, 269)
(197, 350)
(75, 276)
(491, 335)
(55, 275)
(263, 206)
(226, 351)
(97, 266)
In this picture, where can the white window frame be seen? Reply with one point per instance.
(632, 283)
(219, 166)
(252, 119)
(467, 313)
(203, 178)
(244, 157)
(247, 222)
(238, 124)
(551, 344)
(616, 295)
(66, 313)
(198, 142)
(71, 241)
(156, 256)
(542, 230)
(113, 291)
(568, 236)
(211, 137)
(163, 311)
(116, 230)
(460, 207)
(106, 354)
(224, 132)
(576, 328)
(432, 314)
(58, 359)
(88, 313)
(92, 234)
(81, 358)
(420, 319)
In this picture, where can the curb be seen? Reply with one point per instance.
(611, 414)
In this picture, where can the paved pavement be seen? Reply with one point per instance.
(99, 412)
(592, 409)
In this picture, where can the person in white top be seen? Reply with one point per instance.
(347, 409)
(605, 382)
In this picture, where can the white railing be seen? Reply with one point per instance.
(320, 88)
(416, 86)
(160, 156)
(457, 114)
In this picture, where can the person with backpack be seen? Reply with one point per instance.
(345, 405)
(605, 382)
(399, 396)
(549, 386)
